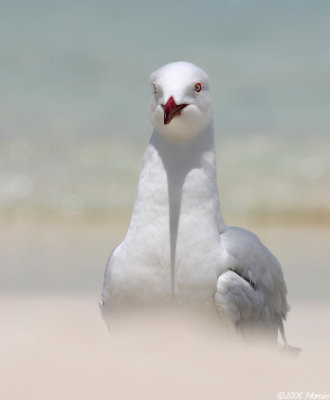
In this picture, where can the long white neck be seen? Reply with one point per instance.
(178, 180)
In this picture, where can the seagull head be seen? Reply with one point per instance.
(181, 104)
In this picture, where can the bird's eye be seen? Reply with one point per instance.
(198, 87)
(154, 87)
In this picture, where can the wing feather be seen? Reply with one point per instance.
(252, 290)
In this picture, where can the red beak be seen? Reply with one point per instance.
(171, 109)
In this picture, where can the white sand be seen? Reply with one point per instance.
(59, 348)
(54, 345)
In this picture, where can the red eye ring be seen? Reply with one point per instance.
(198, 87)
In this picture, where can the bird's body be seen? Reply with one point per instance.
(178, 247)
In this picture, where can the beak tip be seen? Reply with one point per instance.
(171, 109)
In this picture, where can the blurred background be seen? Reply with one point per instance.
(73, 127)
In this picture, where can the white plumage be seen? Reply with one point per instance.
(178, 247)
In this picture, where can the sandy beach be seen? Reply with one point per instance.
(59, 348)
(54, 344)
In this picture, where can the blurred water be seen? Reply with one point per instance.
(258, 176)
(74, 92)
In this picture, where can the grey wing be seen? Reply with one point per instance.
(251, 292)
